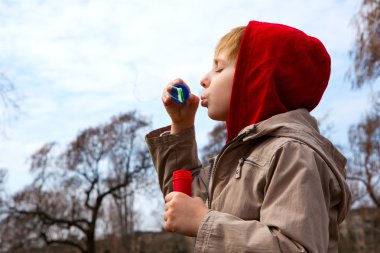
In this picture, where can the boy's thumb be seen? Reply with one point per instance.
(194, 99)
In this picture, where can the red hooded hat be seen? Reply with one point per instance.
(278, 69)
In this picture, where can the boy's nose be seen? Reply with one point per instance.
(205, 81)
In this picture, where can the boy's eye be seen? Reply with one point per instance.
(219, 70)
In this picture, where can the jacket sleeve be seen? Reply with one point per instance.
(174, 152)
(294, 216)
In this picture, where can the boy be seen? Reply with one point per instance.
(277, 185)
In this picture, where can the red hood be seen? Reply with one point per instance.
(278, 69)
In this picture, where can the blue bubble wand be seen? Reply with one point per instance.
(180, 93)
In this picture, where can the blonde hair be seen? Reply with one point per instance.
(230, 43)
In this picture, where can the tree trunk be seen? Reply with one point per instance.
(91, 247)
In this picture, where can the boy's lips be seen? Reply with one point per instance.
(204, 102)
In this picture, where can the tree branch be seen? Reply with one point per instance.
(46, 217)
(88, 194)
(66, 242)
(354, 178)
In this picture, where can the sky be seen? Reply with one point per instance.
(76, 63)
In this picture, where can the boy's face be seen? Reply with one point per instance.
(218, 86)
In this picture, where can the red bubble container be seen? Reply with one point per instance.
(182, 181)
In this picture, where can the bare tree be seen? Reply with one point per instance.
(364, 166)
(364, 137)
(366, 51)
(66, 202)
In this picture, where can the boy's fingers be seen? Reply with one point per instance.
(177, 81)
(193, 98)
(166, 216)
(166, 99)
(169, 196)
(174, 82)
(193, 102)
(168, 227)
(168, 88)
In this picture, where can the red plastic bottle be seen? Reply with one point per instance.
(182, 181)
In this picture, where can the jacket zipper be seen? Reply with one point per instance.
(215, 164)
(238, 169)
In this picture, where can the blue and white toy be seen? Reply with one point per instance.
(180, 93)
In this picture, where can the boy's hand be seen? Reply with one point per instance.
(182, 115)
(183, 214)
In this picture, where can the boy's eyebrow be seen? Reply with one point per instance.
(217, 60)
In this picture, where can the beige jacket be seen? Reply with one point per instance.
(277, 187)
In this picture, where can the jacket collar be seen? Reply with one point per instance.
(290, 122)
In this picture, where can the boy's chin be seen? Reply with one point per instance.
(216, 116)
